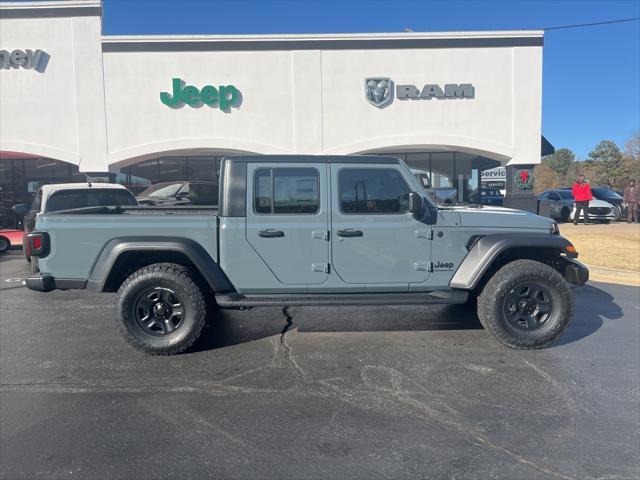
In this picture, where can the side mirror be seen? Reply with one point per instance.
(20, 209)
(416, 203)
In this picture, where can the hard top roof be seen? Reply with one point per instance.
(372, 159)
(50, 188)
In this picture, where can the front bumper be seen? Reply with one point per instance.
(47, 283)
(574, 271)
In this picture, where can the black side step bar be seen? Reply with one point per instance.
(238, 300)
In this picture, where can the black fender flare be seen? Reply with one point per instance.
(487, 248)
(197, 255)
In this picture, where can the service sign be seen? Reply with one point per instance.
(498, 173)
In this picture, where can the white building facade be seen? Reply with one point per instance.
(144, 109)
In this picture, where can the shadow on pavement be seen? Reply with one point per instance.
(230, 328)
(592, 306)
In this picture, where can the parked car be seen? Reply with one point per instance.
(491, 196)
(599, 211)
(561, 203)
(180, 193)
(611, 197)
(302, 230)
(10, 238)
(65, 196)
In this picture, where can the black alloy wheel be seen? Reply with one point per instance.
(159, 311)
(528, 306)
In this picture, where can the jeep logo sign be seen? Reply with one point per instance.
(224, 97)
(379, 91)
(29, 59)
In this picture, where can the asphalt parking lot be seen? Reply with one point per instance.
(395, 392)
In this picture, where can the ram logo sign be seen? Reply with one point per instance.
(379, 91)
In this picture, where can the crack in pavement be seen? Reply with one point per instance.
(286, 348)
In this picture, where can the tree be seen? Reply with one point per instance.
(606, 162)
(546, 178)
(632, 147)
(562, 162)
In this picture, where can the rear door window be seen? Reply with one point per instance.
(287, 191)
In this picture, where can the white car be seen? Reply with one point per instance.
(599, 211)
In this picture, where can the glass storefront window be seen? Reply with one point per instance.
(21, 177)
(205, 169)
(449, 177)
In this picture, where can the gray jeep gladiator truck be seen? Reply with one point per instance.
(310, 230)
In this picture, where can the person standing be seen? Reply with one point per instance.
(632, 198)
(582, 195)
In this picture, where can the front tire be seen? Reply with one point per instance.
(617, 213)
(160, 309)
(526, 305)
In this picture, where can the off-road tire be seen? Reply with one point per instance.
(186, 287)
(491, 304)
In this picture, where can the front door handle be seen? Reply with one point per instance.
(349, 232)
(270, 233)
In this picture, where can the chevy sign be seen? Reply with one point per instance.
(29, 59)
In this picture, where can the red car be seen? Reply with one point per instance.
(9, 238)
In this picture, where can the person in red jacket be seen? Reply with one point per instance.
(582, 195)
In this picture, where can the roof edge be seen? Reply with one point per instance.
(323, 36)
(49, 9)
(322, 41)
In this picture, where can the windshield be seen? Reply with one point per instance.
(606, 193)
(162, 190)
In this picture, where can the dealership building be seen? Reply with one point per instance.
(77, 104)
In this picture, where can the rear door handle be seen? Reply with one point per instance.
(349, 232)
(270, 233)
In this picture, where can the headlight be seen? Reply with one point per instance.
(554, 229)
(624, 204)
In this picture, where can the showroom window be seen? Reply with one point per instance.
(451, 178)
(142, 175)
(20, 178)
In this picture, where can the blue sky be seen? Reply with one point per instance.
(591, 79)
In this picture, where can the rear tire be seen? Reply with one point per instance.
(564, 215)
(4, 244)
(526, 305)
(160, 309)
